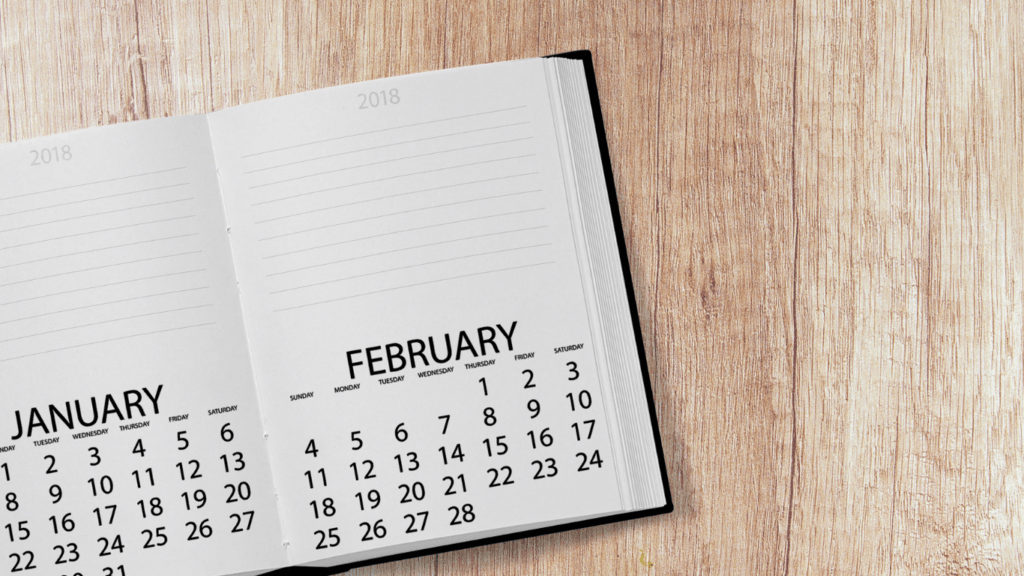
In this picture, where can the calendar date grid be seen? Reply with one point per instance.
(438, 472)
(100, 504)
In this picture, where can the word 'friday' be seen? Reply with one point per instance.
(48, 420)
(397, 356)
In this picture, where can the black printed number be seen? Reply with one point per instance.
(409, 463)
(586, 462)
(415, 491)
(195, 500)
(23, 533)
(489, 418)
(233, 464)
(544, 438)
(573, 370)
(330, 536)
(496, 476)
(588, 425)
(419, 518)
(105, 485)
(311, 449)
(545, 469)
(200, 530)
(462, 515)
(66, 523)
(238, 492)
(456, 454)
(529, 379)
(582, 400)
(191, 464)
(66, 554)
(320, 474)
(376, 531)
(367, 470)
(155, 538)
(155, 508)
(323, 508)
(23, 562)
(243, 522)
(111, 546)
(500, 448)
(372, 497)
(112, 509)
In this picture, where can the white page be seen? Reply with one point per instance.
(116, 284)
(398, 210)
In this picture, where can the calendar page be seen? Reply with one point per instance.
(416, 311)
(130, 434)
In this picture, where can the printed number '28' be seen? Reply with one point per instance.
(379, 98)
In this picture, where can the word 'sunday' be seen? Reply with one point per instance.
(398, 356)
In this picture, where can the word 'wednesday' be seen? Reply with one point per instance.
(396, 356)
(122, 408)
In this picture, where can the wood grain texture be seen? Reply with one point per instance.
(824, 207)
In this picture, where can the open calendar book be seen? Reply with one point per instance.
(325, 330)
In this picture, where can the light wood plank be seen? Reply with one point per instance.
(61, 73)
(723, 317)
(172, 58)
(6, 118)
(862, 270)
(959, 509)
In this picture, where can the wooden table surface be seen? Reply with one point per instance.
(824, 213)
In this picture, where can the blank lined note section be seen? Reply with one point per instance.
(372, 211)
(103, 259)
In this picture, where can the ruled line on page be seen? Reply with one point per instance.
(94, 199)
(417, 265)
(107, 340)
(334, 206)
(411, 286)
(332, 188)
(405, 249)
(79, 217)
(105, 322)
(381, 130)
(307, 249)
(411, 211)
(383, 146)
(388, 161)
(93, 182)
(101, 286)
(97, 305)
(97, 232)
(100, 267)
(70, 254)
